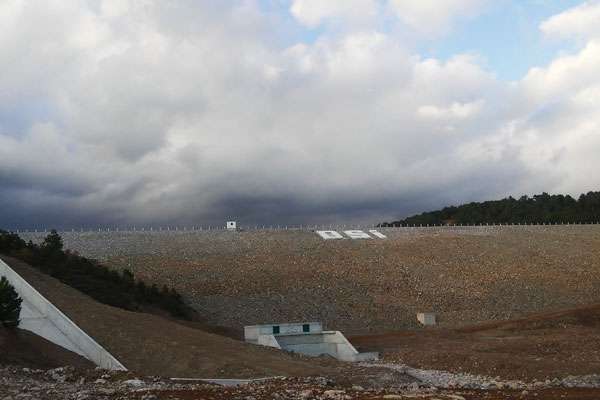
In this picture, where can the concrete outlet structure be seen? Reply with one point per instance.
(427, 319)
(306, 338)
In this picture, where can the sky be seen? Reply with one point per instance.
(122, 113)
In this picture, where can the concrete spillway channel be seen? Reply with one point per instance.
(306, 338)
(41, 317)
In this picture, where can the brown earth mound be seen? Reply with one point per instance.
(540, 347)
(25, 349)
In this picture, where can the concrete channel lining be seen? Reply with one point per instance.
(41, 317)
(333, 343)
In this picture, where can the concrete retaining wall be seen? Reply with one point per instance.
(314, 349)
(251, 333)
(41, 317)
(347, 352)
(313, 344)
(268, 340)
(333, 343)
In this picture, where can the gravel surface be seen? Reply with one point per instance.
(467, 275)
(69, 383)
(443, 379)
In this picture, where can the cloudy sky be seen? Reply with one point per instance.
(116, 113)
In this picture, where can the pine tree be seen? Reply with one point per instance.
(53, 241)
(10, 304)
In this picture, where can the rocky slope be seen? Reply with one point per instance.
(467, 275)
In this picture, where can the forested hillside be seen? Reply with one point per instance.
(542, 208)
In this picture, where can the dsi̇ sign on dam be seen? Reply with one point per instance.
(353, 234)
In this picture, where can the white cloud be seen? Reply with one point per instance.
(566, 74)
(561, 125)
(577, 21)
(456, 110)
(313, 12)
(353, 57)
(434, 17)
(116, 8)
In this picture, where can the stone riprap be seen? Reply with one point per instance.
(467, 275)
(443, 379)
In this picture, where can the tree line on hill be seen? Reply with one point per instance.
(103, 284)
(539, 209)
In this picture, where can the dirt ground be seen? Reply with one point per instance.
(275, 391)
(546, 346)
(23, 348)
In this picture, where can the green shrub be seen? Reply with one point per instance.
(101, 283)
(128, 281)
(10, 242)
(105, 292)
(10, 304)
